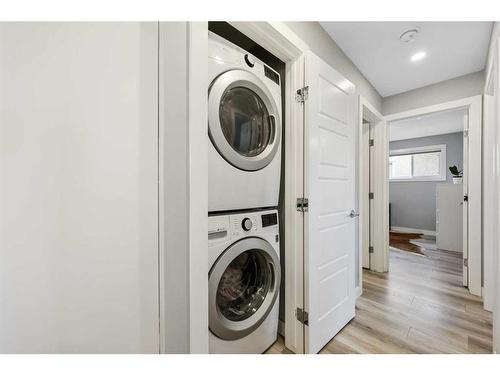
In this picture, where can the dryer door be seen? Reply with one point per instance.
(244, 283)
(243, 120)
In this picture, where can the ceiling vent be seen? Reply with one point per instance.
(409, 35)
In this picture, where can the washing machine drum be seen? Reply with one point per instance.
(243, 287)
(243, 120)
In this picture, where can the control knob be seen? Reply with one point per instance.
(250, 60)
(246, 224)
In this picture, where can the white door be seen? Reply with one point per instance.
(465, 216)
(330, 121)
(449, 217)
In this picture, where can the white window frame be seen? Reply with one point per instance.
(422, 150)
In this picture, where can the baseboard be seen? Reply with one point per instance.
(413, 230)
(486, 301)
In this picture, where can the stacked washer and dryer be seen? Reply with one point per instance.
(244, 161)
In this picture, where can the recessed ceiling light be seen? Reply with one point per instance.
(418, 56)
(409, 35)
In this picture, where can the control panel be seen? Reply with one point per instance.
(229, 227)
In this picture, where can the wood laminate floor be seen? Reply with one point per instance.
(419, 306)
(401, 241)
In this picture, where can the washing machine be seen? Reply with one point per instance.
(244, 282)
(244, 129)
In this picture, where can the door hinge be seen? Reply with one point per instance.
(371, 195)
(302, 94)
(371, 142)
(302, 204)
(466, 198)
(302, 316)
(466, 133)
(370, 249)
(466, 262)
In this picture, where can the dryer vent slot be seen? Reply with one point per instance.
(272, 75)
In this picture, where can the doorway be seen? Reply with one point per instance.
(469, 109)
(428, 175)
(373, 192)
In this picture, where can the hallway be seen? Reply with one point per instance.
(420, 306)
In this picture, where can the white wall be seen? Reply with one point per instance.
(78, 192)
(323, 45)
(445, 91)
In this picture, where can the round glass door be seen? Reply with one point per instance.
(243, 119)
(244, 284)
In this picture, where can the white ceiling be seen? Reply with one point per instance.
(433, 124)
(453, 49)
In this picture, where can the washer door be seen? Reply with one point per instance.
(243, 285)
(243, 120)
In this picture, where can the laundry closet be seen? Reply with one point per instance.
(245, 156)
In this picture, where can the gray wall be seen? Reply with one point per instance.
(452, 89)
(323, 45)
(413, 204)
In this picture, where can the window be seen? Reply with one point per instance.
(426, 163)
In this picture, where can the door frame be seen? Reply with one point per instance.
(182, 187)
(377, 236)
(473, 106)
(278, 39)
(490, 181)
(186, 216)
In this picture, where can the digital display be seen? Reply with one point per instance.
(269, 219)
(272, 75)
